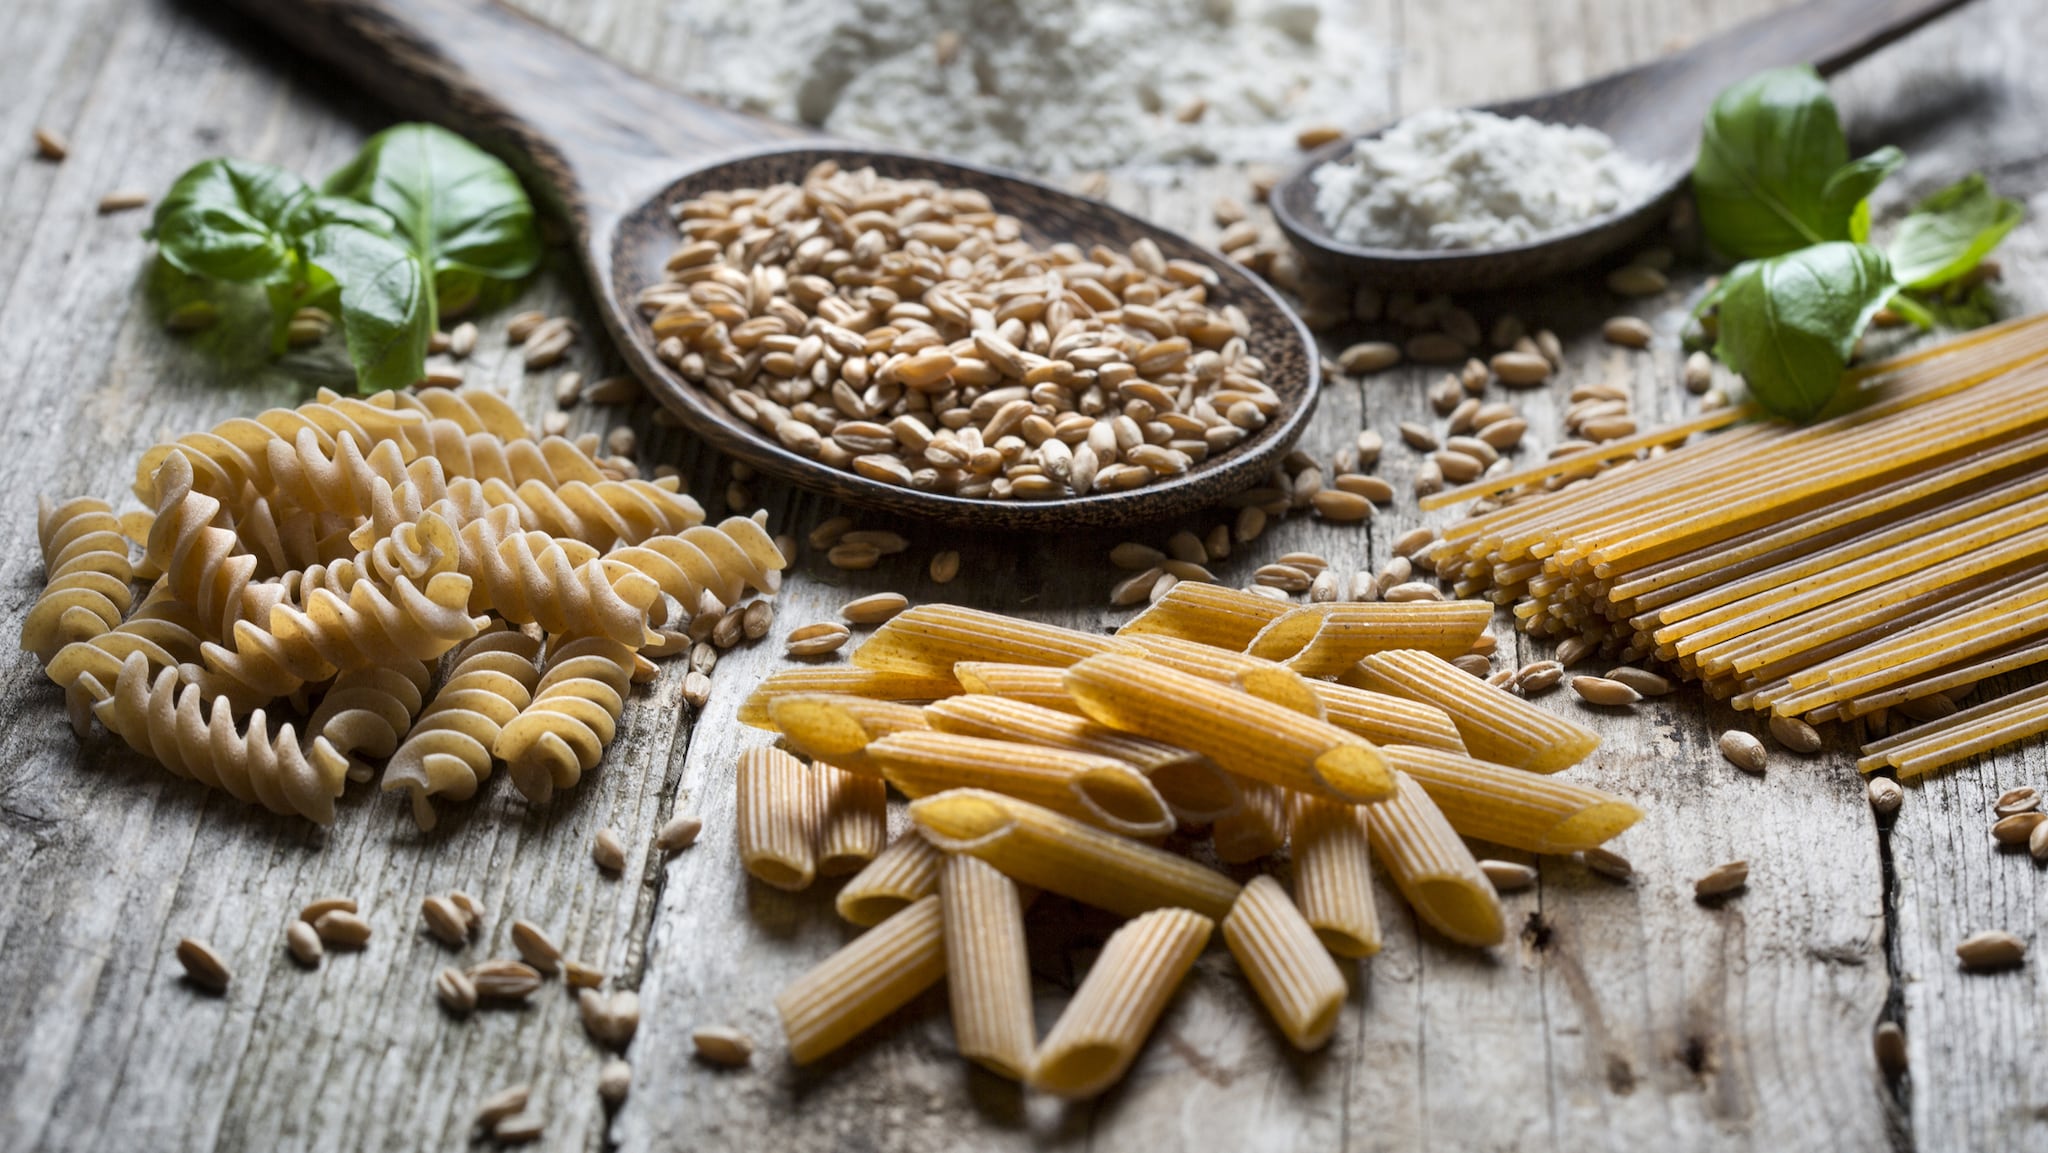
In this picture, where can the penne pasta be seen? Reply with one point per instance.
(1264, 679)
(852, 819)
(879, 686)
(1511, 807)
(1207, 614)
(1333, 874)
(1285, 963)
(1496, 725)
(1103, 792)
(1113, 1012)
(1046, 850)
(777, 815)
(1385, 719)
(1032, 684)
(1196, 790)
(1324, 640)
(838, 728)
(1257, 829)
(1433, 868)
(905, 872)
(873, 976)
(930, 639)
(1241, 733)
(988, 974)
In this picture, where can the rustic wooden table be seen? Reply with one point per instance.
(1618, 1017)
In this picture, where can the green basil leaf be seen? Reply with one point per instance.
(1773, 173)
(314, 212)
(461, 208)
(1947, 234)
(226, 219)
(387, 303)
(1789, 324)
(1848, 190)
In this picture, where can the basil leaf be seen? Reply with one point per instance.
(387, 303)
(1848, 190)
(225, 219)
(1773, 173)
(313, 212)
(461, 208)
(1789, 324)
(1947, 234)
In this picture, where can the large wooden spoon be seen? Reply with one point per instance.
(1652, 111)
(613, 151)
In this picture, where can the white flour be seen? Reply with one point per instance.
(1045, 85)
(1460, 179)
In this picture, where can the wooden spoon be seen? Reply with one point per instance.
(1652, 111)
(613, 151)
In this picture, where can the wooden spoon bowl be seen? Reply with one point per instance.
(615, 153)
(1653, 112)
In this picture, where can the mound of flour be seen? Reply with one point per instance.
(1463, 179)
(1042, 85)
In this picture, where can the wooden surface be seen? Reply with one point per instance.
(1621, 1017)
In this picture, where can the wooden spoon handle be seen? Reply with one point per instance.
(593, 137)
(1833, 34)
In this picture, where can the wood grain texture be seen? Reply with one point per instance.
(1620, 1017)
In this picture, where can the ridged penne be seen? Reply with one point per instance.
(1106, 793)
(1433, 868)
(906, 871)
(1514, 808)
(1113, 1012)
(838, 728)
(1497, 725)
(1257, 829)
(1242, 733)
(930, 639)
(1385, 719)
(775, 818)
(879, 686)
(1206, 614)
(988, 974)
(1324, 640)
(1196, 790)
(1333, 874)
(1032, 684)
(852, 819)
(1285, 963)
(1046, 850)
(1264, 679)
(873, 976)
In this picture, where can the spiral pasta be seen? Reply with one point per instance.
(572, 718)
(85, 573)
(448, 753)
(169, 723)
(318, 562)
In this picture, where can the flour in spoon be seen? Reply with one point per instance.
(1462, 179)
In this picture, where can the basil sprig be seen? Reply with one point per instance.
(419, 217)
(1777, 190)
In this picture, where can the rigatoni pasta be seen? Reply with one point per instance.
(1433, 868)
(905, 872)
(1103, 792)
(1496, 725)
(838, 727)
(1041, 848)
(776, 818)
(852, 819)
(1333, 874)
(1032, 684)
(1118, 1003)
(1241, 733)
(930, 639)
(882, 686)
(873, 976)
(1208, 614)
(1511, 807)
(1324, 640)
(1257, 829)
(1285, 963)
(988, 974)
